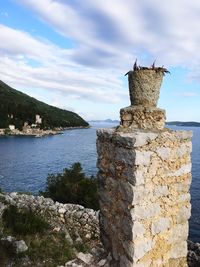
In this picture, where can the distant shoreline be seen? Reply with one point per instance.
(184, 123)
(39, 132)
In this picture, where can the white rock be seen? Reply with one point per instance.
(142, 246)
(183, 170)
(20, 246)
(160, 226)
(184, 214)
(143, 138)
(178, 233)
(142, 158)
(87, 258)
(139, 177)
(144, 212)
(101, 262)
(179, 250)
(184, 197)
(161, 190)
(69, 263)
(138, 229)
(62, 210)
(163, 152)
(183, 149)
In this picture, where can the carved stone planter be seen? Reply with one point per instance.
(144, 87)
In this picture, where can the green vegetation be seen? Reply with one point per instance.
(72, 186)
(46, 247)
(24, 108)
(23, 222)
(52, 249)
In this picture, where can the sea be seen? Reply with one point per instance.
(25, 162)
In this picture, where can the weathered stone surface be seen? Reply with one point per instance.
(144, 87)
(85, 221)
(138, 230)
(145, 211)
(142, 158)
(142, 246)
(184, 214)
(178, 233)
(140, 117)
(144, 192)
(183, 170)
(124, 261)
(163, 152)
(160, 225)
(179, 250)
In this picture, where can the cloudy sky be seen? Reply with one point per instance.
(73, 53)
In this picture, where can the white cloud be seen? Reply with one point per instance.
(107, 37)
(53, 72)
(115, 31)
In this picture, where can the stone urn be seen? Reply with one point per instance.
(144, 87)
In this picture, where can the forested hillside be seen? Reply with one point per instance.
(17, 108)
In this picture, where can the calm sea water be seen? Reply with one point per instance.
(26, 161)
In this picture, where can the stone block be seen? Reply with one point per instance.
(160, 225)
(183, 170)
(139, 176)
(163, 152)
(179, 250)
(160, 191)
(138, 230)
(146, 211)
(139, 117)
(178, 233)
(184, 214)
(142, 246)
(142, 157)
(145, 198)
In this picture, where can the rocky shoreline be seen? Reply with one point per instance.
(35, 132)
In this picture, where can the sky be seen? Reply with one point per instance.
(73, 54)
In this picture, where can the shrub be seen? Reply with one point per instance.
(7, 131)
(72, 186)
(23, 222)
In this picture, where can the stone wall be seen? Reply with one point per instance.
(144, 180)
(78, 222)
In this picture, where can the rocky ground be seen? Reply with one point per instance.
(81, 232)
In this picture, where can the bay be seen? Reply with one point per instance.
(26, 161)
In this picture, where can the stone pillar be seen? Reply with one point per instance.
(144, 179)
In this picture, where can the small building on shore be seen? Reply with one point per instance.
(38, 119)
(11, 127)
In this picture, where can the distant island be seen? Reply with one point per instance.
(175, 123)
(21, 113)
(104, 121)
(184, 123)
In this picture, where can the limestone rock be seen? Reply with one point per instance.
(20, 246)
